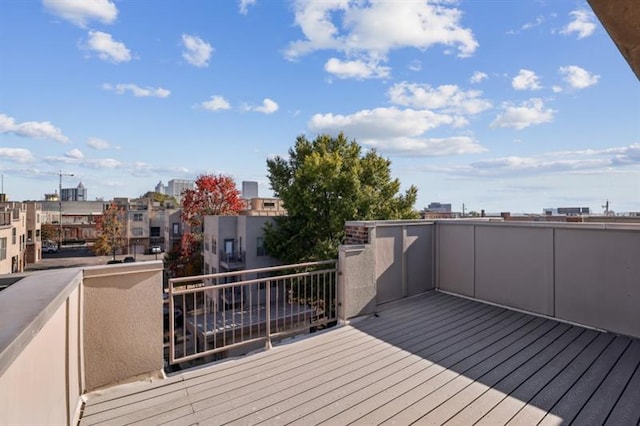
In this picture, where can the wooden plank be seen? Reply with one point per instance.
(523, 393)
(572, 402)
(509, 372)
(627, 410)
(506, 376)
(156, 404)
(538, 407)
(457, 358)
(326, 382)
(358, 400)
(480, 385)
(605, 398)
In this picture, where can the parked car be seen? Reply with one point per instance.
(113, 262)
(50, 249)
(155, 250)
(129, 259)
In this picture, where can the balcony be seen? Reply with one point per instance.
(232, 261)
(446, 321)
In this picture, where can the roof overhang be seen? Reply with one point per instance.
(621, 19)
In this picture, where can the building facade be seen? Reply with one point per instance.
(13, 237)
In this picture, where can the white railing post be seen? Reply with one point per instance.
(268, 315)
(172, 331)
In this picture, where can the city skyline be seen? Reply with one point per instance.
(500, 106)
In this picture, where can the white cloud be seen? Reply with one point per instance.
(447, 98)
(430, 147)
(356, 69)
(268, 107)
(415, 65)
(572, 162)
(137, 90)
(197, 51)
(75, 154)
(380, 123)
(578, 78)
(244, 5)
(107, 48)
(19, 155)
(98, 144)
(478, 76)
(32, 129)
(104, 163)
(557, 89)
(216, 103)
(81, 12)
(368, 31)
(526, 80)
(526, 114)
(583, 24)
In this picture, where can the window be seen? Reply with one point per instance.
(206, 247)
(155, 231)
(13, 235)
(268, 204)
(175, 229)
(260, 247)
(137, 217)
(3, 248)
(37, 235)
(137, 232)
(29, 235)
(214, 244)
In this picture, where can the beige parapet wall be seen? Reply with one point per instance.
(66, 332)
(584, 273)
(40, 366)
(122, 323)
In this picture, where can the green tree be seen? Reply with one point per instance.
(163, 199)
(323, 184)
(49, 232)
(112, 230)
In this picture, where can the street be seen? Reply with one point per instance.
(71, 257)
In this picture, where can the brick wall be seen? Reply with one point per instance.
(356, 235)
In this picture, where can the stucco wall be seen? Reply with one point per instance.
(356, 281)
(40, 384)
(122, 322)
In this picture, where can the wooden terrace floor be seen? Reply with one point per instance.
(431, 359)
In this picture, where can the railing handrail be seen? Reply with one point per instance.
(216, 315)
(250, 271)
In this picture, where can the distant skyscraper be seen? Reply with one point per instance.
(436, 207)
(175, 187)
(249, 190)
(161, 188)
(74, 194)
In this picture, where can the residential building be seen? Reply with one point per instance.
(436, 207)
(232, 243)
(173, 229)
(78, 222)
(264, 207)
(13, 237)
(567, 211)
(34, 230)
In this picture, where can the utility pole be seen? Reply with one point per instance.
(60, 174)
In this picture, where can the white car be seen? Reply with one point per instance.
(49, 249)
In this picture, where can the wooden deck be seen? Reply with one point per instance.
(432, 359)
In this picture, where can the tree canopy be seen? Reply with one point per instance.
(163, 199)
(112, 231)
(323, 184)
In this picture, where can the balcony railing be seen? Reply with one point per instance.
(233, 260)
(221, 312)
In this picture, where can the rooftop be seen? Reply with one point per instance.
(430, 359)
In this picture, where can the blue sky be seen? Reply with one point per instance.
(500, 105)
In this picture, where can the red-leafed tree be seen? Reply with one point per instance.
(213, 195)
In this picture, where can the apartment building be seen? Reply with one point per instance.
(34, 228)
(13, 237)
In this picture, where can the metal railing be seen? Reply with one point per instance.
(211, 314)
